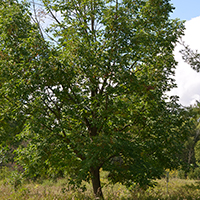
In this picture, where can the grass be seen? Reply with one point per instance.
(178, 189)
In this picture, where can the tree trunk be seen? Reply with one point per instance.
(96, 183)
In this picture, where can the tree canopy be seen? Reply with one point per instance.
(96, 93)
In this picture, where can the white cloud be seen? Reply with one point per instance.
(187, 79)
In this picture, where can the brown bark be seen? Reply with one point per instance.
(96, 183)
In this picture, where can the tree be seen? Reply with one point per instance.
(192, 58)
(97, 92)
(189, 155)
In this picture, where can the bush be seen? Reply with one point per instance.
(16, 179)
(4, 173)
(194, 174)
(181, 174)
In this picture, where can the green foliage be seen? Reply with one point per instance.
(181, 174)
(98, 93)
(191, 57)
(4, 173)
(194, 174)
(15, 179)
(190, 153)
(197, 153)
(43, 157)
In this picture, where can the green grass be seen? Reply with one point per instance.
(178, 189)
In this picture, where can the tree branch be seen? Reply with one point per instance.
(36, 19)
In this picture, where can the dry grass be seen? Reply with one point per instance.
(178, 189)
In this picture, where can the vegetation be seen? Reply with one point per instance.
(48, 189)
(88, 93)
(190, 154)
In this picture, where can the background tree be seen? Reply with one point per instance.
(192, 145)
(190, 56)
(98, 92)
(189, 156)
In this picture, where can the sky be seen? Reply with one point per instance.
(186, 9)
(187, 79)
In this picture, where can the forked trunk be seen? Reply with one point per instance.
(96, 183)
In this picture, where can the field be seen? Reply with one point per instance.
(178, 189)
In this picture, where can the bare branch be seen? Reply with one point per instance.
(36, 19)
(53, 16)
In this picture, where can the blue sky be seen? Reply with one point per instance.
(186, 9)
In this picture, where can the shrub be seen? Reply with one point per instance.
(194, 174)
(4, 173)
(181, 174)
(16, 179)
